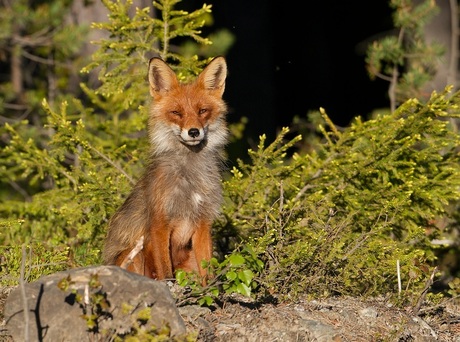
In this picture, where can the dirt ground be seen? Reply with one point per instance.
(333, 319)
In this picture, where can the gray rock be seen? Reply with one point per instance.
(56, 315)
(368, 313)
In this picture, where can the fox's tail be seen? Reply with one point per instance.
(126, 227)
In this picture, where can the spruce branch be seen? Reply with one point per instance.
(111, 162)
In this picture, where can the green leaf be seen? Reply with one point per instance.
(231, 275)
(244, 289)
(181, 278)
(206, 300)
(236, 259)
(246, 276)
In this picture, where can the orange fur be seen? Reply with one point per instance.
(174, 203)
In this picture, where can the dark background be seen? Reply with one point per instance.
(290, 59)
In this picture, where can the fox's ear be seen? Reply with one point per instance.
(161, 77)
(214, 75)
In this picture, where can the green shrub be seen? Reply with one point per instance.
(323, 216)
(337, 220)
(91, 150)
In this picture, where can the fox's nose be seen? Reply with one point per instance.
(193, 132)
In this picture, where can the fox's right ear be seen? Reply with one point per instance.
(161, 77)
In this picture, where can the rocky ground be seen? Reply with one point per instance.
(334, 319)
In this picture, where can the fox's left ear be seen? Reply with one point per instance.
(214, 75)
(161, 77)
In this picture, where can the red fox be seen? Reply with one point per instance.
(175, 202)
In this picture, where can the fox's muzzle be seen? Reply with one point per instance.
(192, 136)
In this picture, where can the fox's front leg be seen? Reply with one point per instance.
(157, 250)
(202, 246)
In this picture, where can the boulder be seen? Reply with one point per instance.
(122, 303)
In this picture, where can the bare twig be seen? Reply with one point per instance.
(37, 58)
(281, 198)
(428, 284)
(86, 295)
(23, 294)
(358, 244)
(21, 191)
(111, 162)
(308, 186)
(129, 258)
(214, 282)
(425, 326)
(453, 58)
(394, 78)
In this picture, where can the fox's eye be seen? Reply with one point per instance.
(175, 112)
(202, 111)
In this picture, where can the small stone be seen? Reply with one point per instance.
(368, 313)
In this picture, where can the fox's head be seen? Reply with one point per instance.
(191, 114)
